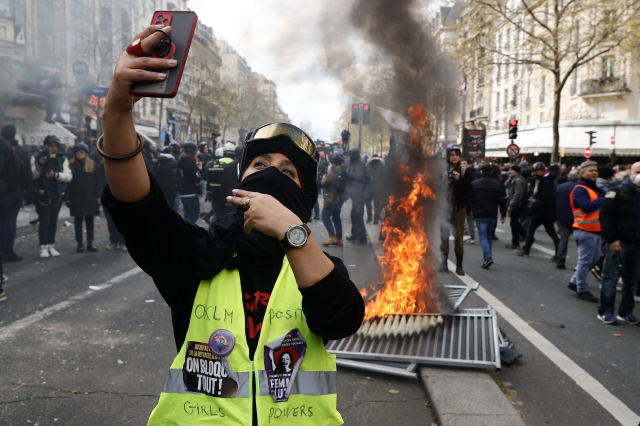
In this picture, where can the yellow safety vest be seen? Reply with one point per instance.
(218, 305)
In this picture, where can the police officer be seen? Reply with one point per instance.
(252, 298)
(51, 174)
(215, 191)
(357, 180)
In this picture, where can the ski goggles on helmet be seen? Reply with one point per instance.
(299, 138)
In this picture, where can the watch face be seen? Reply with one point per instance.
(297, 236)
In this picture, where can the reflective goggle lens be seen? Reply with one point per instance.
(298, 137)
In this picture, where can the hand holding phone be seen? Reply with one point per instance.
(171, 46)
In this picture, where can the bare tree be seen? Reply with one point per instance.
(550, 36)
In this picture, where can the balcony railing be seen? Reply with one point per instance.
(476, 112)
(603, 85)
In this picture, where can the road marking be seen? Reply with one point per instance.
(33, 318)
(609, 402)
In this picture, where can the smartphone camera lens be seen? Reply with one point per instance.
(159, 18)
(163, 48)
(166, 21)
(158, 23)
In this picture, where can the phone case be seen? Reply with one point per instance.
(183, 25)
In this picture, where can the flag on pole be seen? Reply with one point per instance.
(164, 133)
(463, 89)
(188, 138)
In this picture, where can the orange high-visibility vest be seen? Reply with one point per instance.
(586, 221)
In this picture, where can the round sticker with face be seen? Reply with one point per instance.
(221, 342)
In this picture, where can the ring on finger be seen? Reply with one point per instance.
(246, 203)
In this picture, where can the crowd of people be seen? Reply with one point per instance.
(599, 205)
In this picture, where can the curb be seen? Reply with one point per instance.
(460, 396)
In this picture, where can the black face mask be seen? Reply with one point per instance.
(281, 187)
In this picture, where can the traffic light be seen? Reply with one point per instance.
(513, 129)
(592, 137)
(366, 114)
(345, 136)
(355, 113)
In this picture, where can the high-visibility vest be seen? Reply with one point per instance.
(586, 221)
(214, 173)
(218, 305)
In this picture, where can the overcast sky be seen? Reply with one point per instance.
(267, 34)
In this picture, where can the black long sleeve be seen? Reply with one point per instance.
(167, 248)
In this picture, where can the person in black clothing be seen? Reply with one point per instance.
(20, 189)
(516, 204)
(166, 176)
(189, 179)
(620, 224)
(5, 171)
(277, 190)
(564, 219)
(543, 208)
(203, 153)
(83, 195)
(487, 196)
(230, 179)
(528, 176)
(116, 239)
(357, 179)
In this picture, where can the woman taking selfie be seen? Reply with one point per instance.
(256, 282)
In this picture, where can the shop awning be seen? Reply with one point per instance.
(572, 138)
(151, 132)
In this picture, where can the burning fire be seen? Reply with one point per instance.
(407, 279)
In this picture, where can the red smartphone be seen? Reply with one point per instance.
(183, 25)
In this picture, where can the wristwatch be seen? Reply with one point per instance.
(295, 237)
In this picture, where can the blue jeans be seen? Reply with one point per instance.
(588, 256)
(9, 218)
(615, 264)
(486, 226)
(191, 208)
(332, 213)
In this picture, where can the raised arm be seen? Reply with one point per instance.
(128, 179)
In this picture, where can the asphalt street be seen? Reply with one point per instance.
(78, 347)
(537, 292)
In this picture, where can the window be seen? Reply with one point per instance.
(546, 16)
(528, 119)
(507, 43)
(499, 42)
(541, 117)
(506, 99)
(574, 82)
(154, 110)
(576, 36)
(479, 101)
(515, 94)
(497, 102)
(498, 74)
(543, 83)
(506, 71)
(608, 67)
(82, 31)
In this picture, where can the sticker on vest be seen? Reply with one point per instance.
(282, 359)
(222, 342)
(204, 372)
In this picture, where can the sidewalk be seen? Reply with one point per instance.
(28, 214)
(460, 396)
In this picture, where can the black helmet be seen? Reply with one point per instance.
(453, 147)
(190, 147)
(295, 144)
(354, 153)
(539, 166)
(554, 167)
(51, 139)
(80, 147)
(238, 152)
(336, 159)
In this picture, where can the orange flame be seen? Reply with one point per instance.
(407, 278)
(363, 292)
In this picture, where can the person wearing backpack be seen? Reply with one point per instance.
(20, 187)
(334, 185)
(51, 174)
(83, 195)
(189, 179)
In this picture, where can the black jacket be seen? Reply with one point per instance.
(230, 179)
(487, 196)
(357, 178)
(546, 193)
(619, 213)
(166, 175)
(190, 177)
(84, 190)
(22, 189)
(461, 188)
